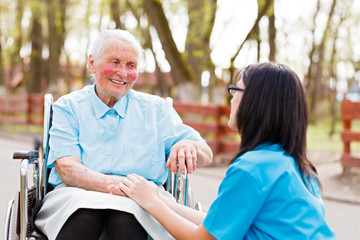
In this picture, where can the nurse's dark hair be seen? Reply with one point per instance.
(273, 109)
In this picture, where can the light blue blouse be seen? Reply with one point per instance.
(132, 137)
(263, 197)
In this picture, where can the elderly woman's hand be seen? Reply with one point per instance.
(143, 192)
(184, 154)
(114, 187)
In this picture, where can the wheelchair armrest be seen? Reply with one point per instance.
(31, 155)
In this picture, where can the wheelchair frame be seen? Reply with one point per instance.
(177, 184)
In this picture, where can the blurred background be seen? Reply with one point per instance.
(190, 48)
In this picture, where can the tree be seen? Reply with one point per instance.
(56, 15)
(272, 35)
(36, 62)
(115, 14)
(334, 59)
(87, 25)
(162, 85)
(316, 70)
(201, 22)
(15, 59)
(180, 70)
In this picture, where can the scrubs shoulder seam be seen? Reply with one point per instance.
(251, 178)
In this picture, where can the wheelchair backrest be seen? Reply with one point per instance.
(48, 101)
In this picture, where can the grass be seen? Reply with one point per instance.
(20, 129)
(318, 136)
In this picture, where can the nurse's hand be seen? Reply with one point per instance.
(142, 191)
(184, 154)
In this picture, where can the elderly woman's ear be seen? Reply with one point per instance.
(91, 65)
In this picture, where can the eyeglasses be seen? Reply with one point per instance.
(232, 89)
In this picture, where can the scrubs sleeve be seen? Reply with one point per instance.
(64, 133)
(234, 210)
(172, 129)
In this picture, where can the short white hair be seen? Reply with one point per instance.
(111, 34)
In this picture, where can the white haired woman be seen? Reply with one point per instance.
(106, 131)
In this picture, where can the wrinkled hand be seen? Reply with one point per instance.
(142, 191)
(115, 189)
(183, 153)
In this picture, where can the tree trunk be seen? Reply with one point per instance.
(308, 77)
(36, 62)
(56, 28)
(315, 94)
(15, 56)
(210, 65)
(272, 38)
(15, 60)
(256, 36)
(333, 75)
(87, 24)
(115, 14)
(179, 68)
(162, 86)
(201, 22)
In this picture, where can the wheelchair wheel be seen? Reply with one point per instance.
(190, 199)
(14, 219)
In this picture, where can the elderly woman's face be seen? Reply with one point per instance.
(115, 71)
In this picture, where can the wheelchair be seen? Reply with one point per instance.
(22, 210)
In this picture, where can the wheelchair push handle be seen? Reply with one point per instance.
(31, 155)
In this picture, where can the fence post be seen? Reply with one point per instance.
(28, 109)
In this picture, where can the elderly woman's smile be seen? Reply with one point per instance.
(118, 82)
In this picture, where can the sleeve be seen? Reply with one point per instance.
(64, 133)
(172, 129)
(234, 210)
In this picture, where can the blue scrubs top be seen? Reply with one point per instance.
(264, 197)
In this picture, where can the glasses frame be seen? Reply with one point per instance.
(232, 88)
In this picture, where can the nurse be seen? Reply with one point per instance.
(271, 190)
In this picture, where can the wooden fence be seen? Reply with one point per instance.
(21, 109)
(210, 121)
(350, 111)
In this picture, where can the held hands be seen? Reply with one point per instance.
(183, 153)
(143, 192)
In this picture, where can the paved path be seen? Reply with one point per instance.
(9, 172)
(343, 216)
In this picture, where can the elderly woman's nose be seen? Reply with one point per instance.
(121, 71)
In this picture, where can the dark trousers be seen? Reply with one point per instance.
(90, 223)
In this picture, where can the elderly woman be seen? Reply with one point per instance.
(104, 132)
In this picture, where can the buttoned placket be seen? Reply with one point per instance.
(113, 121)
